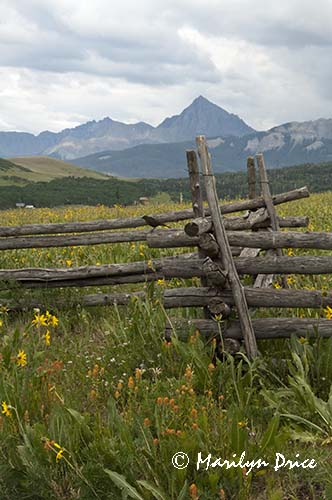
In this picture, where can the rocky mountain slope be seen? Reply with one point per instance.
(289, 144)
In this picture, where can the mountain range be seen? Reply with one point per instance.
(141, 150)
(286, 145)
(201, 117)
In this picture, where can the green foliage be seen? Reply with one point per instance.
(88, 191)
(117, 401)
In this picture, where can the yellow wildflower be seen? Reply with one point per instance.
(290, 280)
(161, 282)
(21, 358)
(69, 263)
(242, 423)
(1, 323)
(51, 319)
(328, 312)
(47, 338)
(290, 252)
(5, 409)
(276, 285)
(39, 320)
(150, 264)
(59, 454)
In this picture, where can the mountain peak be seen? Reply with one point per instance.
(201, 99)
(204, 117)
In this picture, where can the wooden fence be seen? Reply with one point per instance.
(223, 249)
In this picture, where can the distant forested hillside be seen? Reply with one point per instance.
(86, 191)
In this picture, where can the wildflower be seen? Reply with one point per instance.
(303, 340)
(117, 394)
(211, 367)
(161, 282)
(159, 401)
(138, 373)
(69, 263)
(39, 320)
(328, 312)
(242, 423)
(194, 413)
(150, 264)
(193, 492)
(5, 409)
(222, 494)
(276, 285)
(194, 426)
(188, 373)
(131, 383)
(156, 441)
(21, 358)
(93, 394)
(48, 443)
(4, 310)
(47, 338)
(290, 252)
(1, 323)
(290, 280)
(59, 454)
(51, 320)
(147, 422)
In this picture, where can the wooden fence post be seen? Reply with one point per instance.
(197, 203)
(266, 193)
(196, 194)
(251, 177)
(226, 254)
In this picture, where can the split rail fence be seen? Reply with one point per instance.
(224, 249)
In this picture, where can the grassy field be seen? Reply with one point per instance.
(95, 403)
(22, 170)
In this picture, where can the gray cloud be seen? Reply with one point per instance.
(63, 62)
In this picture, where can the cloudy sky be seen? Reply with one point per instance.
(64, 62)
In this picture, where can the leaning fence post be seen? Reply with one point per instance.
(226, 254)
